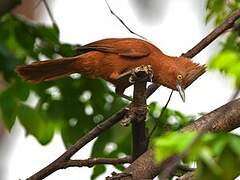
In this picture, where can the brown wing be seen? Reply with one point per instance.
(129, 47)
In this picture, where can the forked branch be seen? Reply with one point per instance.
(145, 165)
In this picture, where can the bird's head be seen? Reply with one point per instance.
(182, 73)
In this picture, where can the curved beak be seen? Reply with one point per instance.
(181, 92)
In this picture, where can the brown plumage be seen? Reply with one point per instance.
(109, 58)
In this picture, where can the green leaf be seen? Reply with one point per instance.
(98, 170)
(217, 155)
(172, 143)
(235, 145)
(36, 124)
(8, 107)
(225, 60)
(223, 167)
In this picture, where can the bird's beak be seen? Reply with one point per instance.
(181, 92)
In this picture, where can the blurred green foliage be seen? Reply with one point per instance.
(72, 105)
(219, 10)
(227, 60)
(76, 104)
(217, 155)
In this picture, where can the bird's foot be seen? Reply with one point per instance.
(139, 73)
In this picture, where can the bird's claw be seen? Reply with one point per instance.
(135, 74)
(133, 77)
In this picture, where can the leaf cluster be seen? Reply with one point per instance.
(227, 60)
(217, 155)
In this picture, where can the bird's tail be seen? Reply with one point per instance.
(46, 70)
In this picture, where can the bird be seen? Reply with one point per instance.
(110, 58)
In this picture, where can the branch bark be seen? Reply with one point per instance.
(95, 132)
(145, 165)
(139, 136)
(78, 145)
(138, 168)
(223, 119)
(227, 24)
(187, 176)
(90, 162)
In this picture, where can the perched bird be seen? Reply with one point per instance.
(109, 58)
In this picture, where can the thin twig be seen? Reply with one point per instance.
(49, 12)
(161, 115)
(37, 4)
(90, 162)
(151, 89)
(122, 22)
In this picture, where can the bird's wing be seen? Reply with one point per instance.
(128, 47)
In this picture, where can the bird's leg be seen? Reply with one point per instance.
(120, 87)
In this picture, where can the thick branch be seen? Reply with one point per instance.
(222, 119)
(140, 140)
(225, 118)
(7, 5)
(138, 109)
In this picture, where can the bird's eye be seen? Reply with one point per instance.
(179, 77)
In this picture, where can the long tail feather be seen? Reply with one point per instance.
(46, 70)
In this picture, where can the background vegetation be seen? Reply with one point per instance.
(75, 104)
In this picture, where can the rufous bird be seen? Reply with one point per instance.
(109, 58)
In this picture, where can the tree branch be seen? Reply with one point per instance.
(227, 24)
(90, 162)
(187, 176)
(223, 119)
(145, 166)
(7, 5)
(139, 112)
(79, 144)
(49, 12)
(95, 132)
(121, 21)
